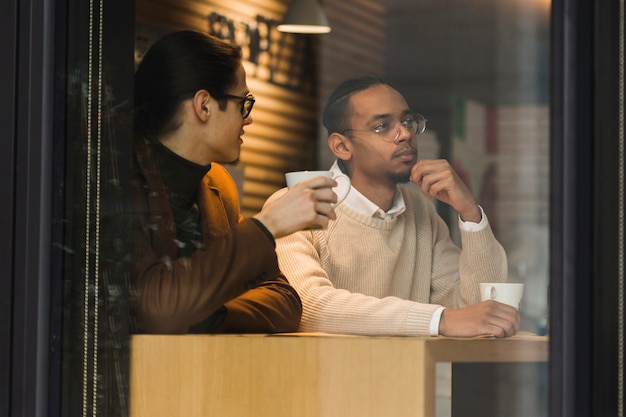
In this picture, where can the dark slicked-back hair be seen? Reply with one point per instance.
(175, 67)
(337, 110)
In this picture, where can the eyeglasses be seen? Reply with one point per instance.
(414, 123)
(246, 104)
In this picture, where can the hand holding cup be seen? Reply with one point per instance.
(486, 318)
(302, 177)
(306, 204)
(296, 177)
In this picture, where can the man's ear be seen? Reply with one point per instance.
(340, 146)
(202, 105)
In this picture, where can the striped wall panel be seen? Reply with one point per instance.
(285, 133)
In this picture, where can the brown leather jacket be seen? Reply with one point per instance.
(233, 284)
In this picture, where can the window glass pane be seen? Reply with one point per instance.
(478, 70)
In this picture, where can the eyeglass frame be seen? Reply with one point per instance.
(417, 118)
(249, 98)
(245, 99)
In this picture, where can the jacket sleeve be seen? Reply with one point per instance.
(236, 266)
(272, 307)
(171, 295)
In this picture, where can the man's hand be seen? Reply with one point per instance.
(485, 318)
(306, 204)
(437, 179)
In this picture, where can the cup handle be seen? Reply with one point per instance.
(490, 293)
(342, 177)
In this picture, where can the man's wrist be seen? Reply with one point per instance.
(473, 226)
(475, 215)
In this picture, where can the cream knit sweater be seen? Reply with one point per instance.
(369, 276)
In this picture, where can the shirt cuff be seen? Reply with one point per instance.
(474, 227)
(434, 321)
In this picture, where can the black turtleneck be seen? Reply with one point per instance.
(182, 178)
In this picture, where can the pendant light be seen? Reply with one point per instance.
(304, 16)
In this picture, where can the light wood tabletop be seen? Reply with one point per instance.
(303, 375)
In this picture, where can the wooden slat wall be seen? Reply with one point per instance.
(281, 139)
(286, 129)
(355, 46)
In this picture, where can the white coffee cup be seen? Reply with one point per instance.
(507, 293)
(297, 176)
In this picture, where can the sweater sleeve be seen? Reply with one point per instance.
(335, 310)
(483, 259)
(457, 272)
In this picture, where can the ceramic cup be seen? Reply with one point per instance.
(297, 176)
(507, 293)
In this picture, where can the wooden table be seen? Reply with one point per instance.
(303, 375)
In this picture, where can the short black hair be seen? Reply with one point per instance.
(336, 111)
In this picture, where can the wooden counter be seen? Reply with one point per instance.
(303, 375)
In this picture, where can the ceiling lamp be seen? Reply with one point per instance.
(304, 16)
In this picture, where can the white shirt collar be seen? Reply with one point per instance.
(358, 202)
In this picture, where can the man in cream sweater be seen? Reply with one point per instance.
(387, 264)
